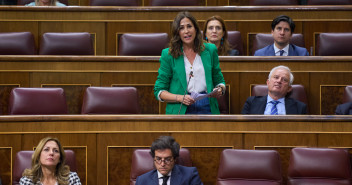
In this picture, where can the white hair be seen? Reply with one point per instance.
(282, 67)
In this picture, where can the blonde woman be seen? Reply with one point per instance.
(45, 3)
(48, 166)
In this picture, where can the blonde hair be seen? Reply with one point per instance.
(35, 173)
(52, 3)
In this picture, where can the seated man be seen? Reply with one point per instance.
(282, 29)
(344, 109)
(165, 150)
(279, 84)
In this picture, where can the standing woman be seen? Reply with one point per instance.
(48, 166)
(189, 65)
(215, 32)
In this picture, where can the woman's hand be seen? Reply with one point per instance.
(218, 93)
(187, 100)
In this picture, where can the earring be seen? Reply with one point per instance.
(222, 40)
(206, 38)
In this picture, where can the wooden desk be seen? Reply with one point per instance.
(107, 23)
(104, 143)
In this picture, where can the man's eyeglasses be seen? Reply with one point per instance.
(167, 160)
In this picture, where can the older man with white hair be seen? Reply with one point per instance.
(279, 85)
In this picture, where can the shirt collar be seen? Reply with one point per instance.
(161, 175)
(277, 50)
(281, 100)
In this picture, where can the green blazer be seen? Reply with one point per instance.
(172, 77)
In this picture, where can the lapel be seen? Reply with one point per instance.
(176, 177)
(181, 71)
(291, 51)
(154, 178)
(206, 60)
(270, 51)
(290, 106)
(262, 104)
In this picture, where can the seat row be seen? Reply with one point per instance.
(138, 44)
(113, 100)
(307, 166)
(199, 2)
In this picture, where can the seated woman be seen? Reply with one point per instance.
(45, 3)
(215, 32)
(48, 166)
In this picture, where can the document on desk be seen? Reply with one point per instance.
(196, 96)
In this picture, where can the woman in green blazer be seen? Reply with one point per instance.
(189, 65)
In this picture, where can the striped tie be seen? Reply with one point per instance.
(274, 108)
(282, 52)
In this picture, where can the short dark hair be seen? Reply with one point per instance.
(165, 142)
(284, 18)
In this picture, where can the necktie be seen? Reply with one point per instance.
(274, 108)
(165, 178)
(282, 52)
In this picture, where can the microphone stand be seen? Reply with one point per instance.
(184, 95)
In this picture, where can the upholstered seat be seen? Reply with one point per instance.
(311, 166)
(249, 167)
(329, 2)
(24, 2)
(27, 101)
(235, 40)
(142, 44)
(23, 160)
(298, 92)
(142, 162)
(17, 43)
(113, 2)
(334, 44)
(174, 2)
(273, 2)
(110, 100)
(261, 40)
(66, 44)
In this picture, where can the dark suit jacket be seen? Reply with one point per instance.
(180, 175)
(293, 50)
(257, 104)
(344, 109)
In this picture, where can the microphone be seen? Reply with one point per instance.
(184, 95)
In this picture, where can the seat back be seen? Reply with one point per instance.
(273, 2)
(253, 167)
(66, 44)
(174, 3)
(142, 162)
(114, 3)
(110, 100)
(235, 40)
(334, 44)
(17, 43)
(298, 92)
(309, 166)
(23, 161)
(24, 2)
(329, 2)
(26, 101)
(142, 44)
(262, 39)
(347, 95)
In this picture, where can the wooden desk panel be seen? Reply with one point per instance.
(104, 143)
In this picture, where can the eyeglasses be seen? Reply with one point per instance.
(167, 160)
